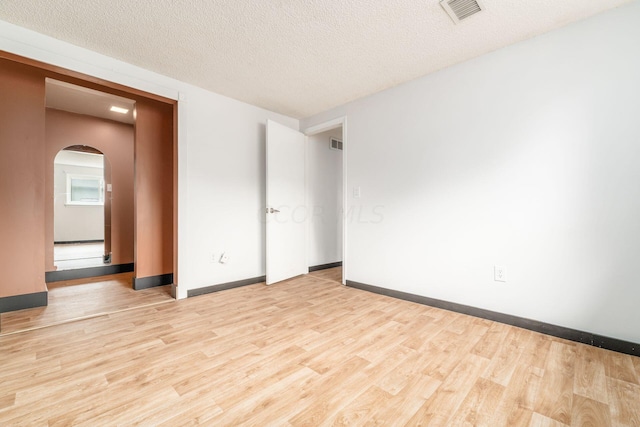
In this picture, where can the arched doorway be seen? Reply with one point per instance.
(82, 208)
(81, 127)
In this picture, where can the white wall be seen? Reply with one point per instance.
(76, 222)
(324, 177)
(529, 158)
(220, 161)
(226, 189)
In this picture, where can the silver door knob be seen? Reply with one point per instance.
(271, 210)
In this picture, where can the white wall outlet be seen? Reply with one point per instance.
(224, 258)
(356, 192)
(213, 257)
(499, 273)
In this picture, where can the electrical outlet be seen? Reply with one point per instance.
(499, 273)
(213, 257)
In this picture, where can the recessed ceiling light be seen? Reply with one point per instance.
(119, 110)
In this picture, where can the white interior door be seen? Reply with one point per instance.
(286, 210)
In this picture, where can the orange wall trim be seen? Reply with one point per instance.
(83, 79)
(115, 141)
(23, 172)
(154, 176)
(21, 180)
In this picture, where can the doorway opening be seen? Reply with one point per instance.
(89, 138)
(325, 202)
(144, 249)
(81, 208)
(305, 200)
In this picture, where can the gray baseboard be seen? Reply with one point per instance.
(152, 281)
(83, 273)
(75, 242)
(225, 286)
(325, 266)
(21, 302)
(588, 338)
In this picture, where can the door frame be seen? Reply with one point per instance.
(319, 128)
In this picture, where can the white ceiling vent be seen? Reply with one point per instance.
(459, 10)
(335, 144)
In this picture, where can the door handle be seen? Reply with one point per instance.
(271, 210)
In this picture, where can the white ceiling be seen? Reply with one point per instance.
(76, 99)
(296, 57)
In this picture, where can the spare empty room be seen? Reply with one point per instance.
(483, 213)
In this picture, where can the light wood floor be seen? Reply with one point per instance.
(333, 274)
(308, 352)
(80, 298)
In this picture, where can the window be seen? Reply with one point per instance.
(85, 190)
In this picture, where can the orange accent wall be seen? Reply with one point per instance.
(154, 186)
(26, 174)
(21, 179)
(116, 141)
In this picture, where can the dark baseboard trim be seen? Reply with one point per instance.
(75, 242)
(20, 302)
(325, 266)
(152, 281)
(224, 286)
(588, 338)
(83, 273)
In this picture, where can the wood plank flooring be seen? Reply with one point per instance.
(333, 274)
(81, 298)
(308, 352)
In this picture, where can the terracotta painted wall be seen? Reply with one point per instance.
(154, 188)
(21, 180)
(26, 180)
(116, 141)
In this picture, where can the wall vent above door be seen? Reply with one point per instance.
(461, 9)
(335, 144)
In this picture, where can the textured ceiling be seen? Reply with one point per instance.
(296, 57)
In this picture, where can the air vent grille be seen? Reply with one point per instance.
(461, 9)
(335, 144)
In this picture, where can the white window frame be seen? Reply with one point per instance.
(71, 176)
